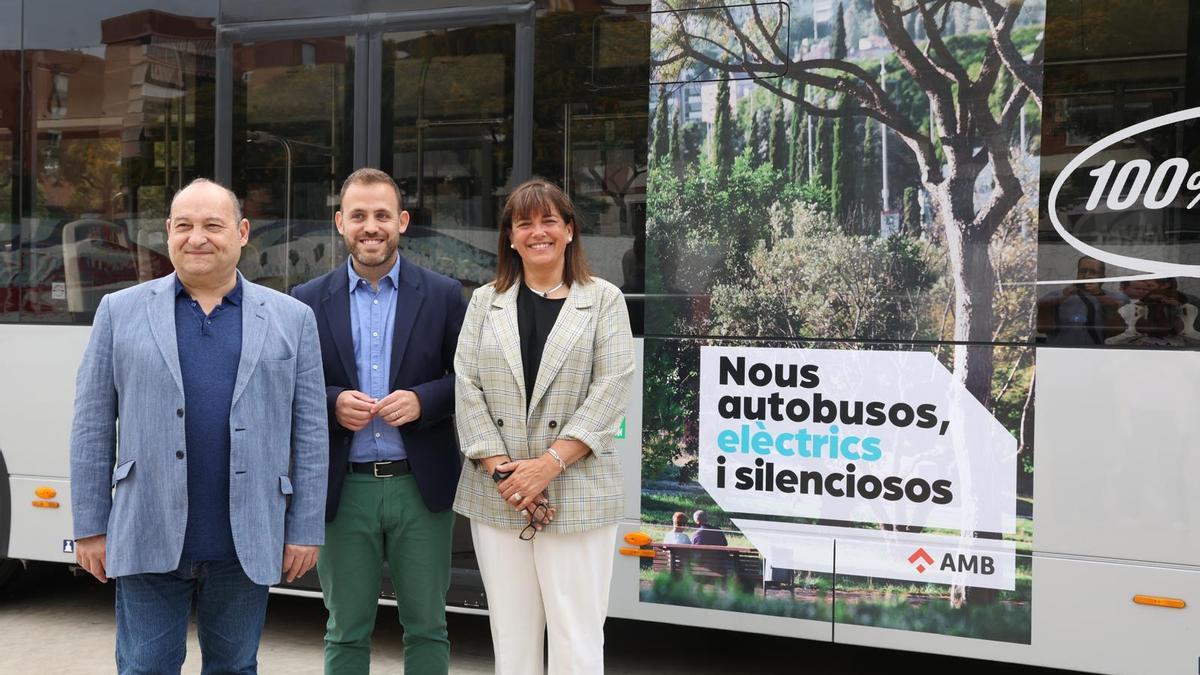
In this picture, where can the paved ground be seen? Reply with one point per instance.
(65, 625)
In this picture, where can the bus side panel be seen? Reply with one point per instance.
(1084, 618)
(1115, 454)
(35, 429)
(41, 532)
(38, 365)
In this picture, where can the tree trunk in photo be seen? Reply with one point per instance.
(974, 282)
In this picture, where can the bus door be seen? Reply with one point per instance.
(439, 99)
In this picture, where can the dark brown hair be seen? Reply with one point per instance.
(538, 196)
(369, 176)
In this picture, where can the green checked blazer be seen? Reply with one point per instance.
(580, 393)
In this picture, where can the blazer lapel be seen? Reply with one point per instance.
(254, 334)
(408, 303)
(160, 310)
(573, 320)
(337, 320)
(503, 319)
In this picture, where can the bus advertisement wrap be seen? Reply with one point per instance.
(841, 290)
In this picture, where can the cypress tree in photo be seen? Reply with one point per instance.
(661, 139)
(798, 147)
(843, 169)
(869, 179)
(839, 34)
(676, 143)
(823, 140)
(910, 216)
(722, 138)
(754, 145)
(777, 142)
(798, 138)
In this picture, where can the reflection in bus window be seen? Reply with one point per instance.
(292, 147)
(1135, 196)
(116, 132)
(1083, 313)
(447, 140)
(10, 234)
(591, 133)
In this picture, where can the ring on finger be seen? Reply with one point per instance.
(516, 496)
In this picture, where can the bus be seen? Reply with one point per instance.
(893, 269)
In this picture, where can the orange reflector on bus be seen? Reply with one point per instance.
(1157, 601)
(45, 492)
(639, 552)
(637, 539)
(42, 504)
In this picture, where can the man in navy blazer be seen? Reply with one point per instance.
(199, 446)
(388, 331)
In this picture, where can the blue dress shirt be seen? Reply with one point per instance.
(210, 348)
(372, 324)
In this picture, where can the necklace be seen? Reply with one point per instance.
(545, 294)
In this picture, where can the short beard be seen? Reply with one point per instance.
(389, 252)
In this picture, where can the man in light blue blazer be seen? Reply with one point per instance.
(200, 446)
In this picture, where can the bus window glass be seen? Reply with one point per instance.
(447, 140)
(1120, 231)
(591, 136)
(292, 146)
(10, 134)
(120, 117)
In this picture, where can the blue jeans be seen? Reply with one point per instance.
(153, 611)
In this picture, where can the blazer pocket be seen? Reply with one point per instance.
(121, 472)
(278, 375)
(285, 485)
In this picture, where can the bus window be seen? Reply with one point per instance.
(10, 133)
(591, 135)
(120, 118)
(447, 139)
(292, 146)
(1132, 197)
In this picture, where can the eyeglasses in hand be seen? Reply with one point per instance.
(539, 515)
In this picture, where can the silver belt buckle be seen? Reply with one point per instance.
(376, 468)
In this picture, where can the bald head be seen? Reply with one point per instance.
(211, 190)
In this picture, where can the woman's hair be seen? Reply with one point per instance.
(679, 519)
(538, 196)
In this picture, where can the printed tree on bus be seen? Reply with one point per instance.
(966, 136)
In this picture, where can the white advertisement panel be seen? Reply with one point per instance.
(925, 558)
(884, 437)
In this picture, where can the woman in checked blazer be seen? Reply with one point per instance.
(542, 369)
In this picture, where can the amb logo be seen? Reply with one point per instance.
(919, 555)
(974, 564)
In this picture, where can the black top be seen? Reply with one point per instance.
(535, 319)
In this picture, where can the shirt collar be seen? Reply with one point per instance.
(234, 296)
(393, 274)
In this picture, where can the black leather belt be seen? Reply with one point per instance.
(388, 469)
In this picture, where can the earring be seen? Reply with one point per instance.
(570, 239)
(513, 246)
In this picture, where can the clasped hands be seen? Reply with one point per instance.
(354, 410)
(526, 485)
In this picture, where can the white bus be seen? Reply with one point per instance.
(895, 269)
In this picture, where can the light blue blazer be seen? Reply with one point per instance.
(128, 471)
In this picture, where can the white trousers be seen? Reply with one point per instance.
(555, 581)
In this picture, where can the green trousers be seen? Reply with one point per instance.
(382, 519)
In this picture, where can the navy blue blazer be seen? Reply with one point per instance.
(429, 314)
